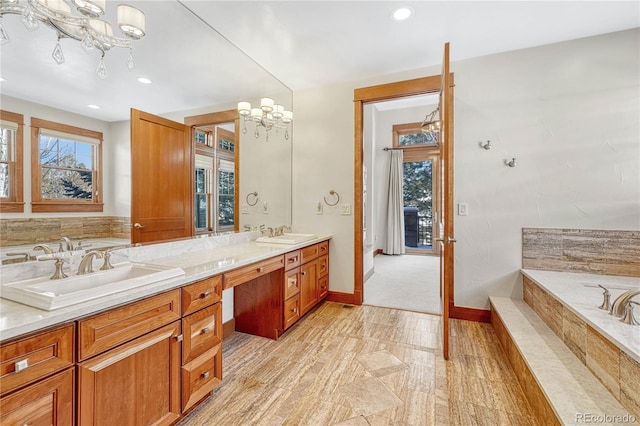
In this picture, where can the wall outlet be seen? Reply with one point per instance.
(463, 209)
(345, 209)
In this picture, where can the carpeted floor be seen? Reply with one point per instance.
(408, 282)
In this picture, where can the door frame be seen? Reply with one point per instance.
(383, 92)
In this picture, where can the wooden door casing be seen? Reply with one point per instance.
(161, 179)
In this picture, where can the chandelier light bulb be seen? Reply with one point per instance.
(269, 116)
(287, 117)
(131, 21)
(92, 9)
(278, 111)
(266, 104)
(256, 113)
(244, 108)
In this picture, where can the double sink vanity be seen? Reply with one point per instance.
(103, 348)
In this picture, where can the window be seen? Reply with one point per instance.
(11, 143)
(66, 168)
(215, 180)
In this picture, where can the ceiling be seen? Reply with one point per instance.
(202, 53)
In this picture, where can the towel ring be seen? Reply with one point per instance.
(252, 194)
(334, 193)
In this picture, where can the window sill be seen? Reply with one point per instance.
(11, 207)
(65, 207)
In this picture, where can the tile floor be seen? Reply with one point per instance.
(365, 365)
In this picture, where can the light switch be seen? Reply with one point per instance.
(319, 208)
(346, 209)
(265, 208)
(244, 209)
(463, 209)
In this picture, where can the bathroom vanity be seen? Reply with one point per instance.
(150, 355)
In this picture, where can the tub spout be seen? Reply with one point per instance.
(619, 305)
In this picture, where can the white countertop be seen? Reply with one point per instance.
(579, 292)
(198, 263)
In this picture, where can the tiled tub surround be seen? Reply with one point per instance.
(17, 232)
(568, 304)
(582, 250)
(199, 257)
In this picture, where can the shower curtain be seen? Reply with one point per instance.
(394, 243)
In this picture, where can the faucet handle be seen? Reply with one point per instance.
(629, 317)
(606, 303)
(58, 273)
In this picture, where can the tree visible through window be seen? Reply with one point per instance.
(11, 140)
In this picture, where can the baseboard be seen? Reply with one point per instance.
(377, 252)
(335, 296)
(469, 314)
(228, 328)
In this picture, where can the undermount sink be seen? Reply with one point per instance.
(287, 238)
(48, 294)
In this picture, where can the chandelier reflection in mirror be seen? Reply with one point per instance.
(269, 116)
(87, 28)
(431, 125)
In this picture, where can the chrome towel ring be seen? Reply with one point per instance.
(336, 195)
(255, 197)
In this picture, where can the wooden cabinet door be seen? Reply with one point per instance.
(308, 286)
(48, 402)
(136, 383)
(161, 179)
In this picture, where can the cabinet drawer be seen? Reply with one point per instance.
(291, 259)
(201, 376)
(323, 248)
(32, 358)
(201, 294)
(201, 331)
(323, 266)
(323, 287)
(109, 329)
(48, 402)
(292, 283)
(308, 253)
(250, 272)
(291, 311)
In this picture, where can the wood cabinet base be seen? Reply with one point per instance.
(48, 402)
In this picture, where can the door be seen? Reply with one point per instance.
(161, 179)
(445, 221)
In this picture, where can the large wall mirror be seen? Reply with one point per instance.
(193, 70)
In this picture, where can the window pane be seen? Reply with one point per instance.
(200, 181)
(4, 180)
(417, 139)
(200, 137)
(226, 145)
(7, 138)
(418, 192)
(226, 197)
(66, 184)
(201, 211)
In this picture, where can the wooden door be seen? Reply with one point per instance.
(161, 179)
(308, 286)
(136, 383)
(446, 199)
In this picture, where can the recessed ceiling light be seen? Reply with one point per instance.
(92, 106)
(144, 80)
(402, 13)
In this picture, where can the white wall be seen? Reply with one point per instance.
(568, 112)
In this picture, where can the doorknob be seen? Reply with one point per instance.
(450, 240)
(137, 225)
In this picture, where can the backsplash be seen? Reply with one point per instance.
(14, 232)
(603, 252)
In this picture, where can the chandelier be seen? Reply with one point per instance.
(431, 125)
(87, 28)
(269, 116)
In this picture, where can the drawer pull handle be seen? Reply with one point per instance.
(261, 269)
(204, 295)
(206, 330)
(205, 375)
(294, 310)
(21, 365)
(304, 272)
(293, 259)
(179, 338)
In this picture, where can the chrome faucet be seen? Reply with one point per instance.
(620, 304)
(59, 273)
(45, 248)
(86, 264)
(606, 303)
(629, 317)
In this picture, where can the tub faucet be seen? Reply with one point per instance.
(65, 244)
(629, 317)
(606, 303)
(45, 248)
(620, 304)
